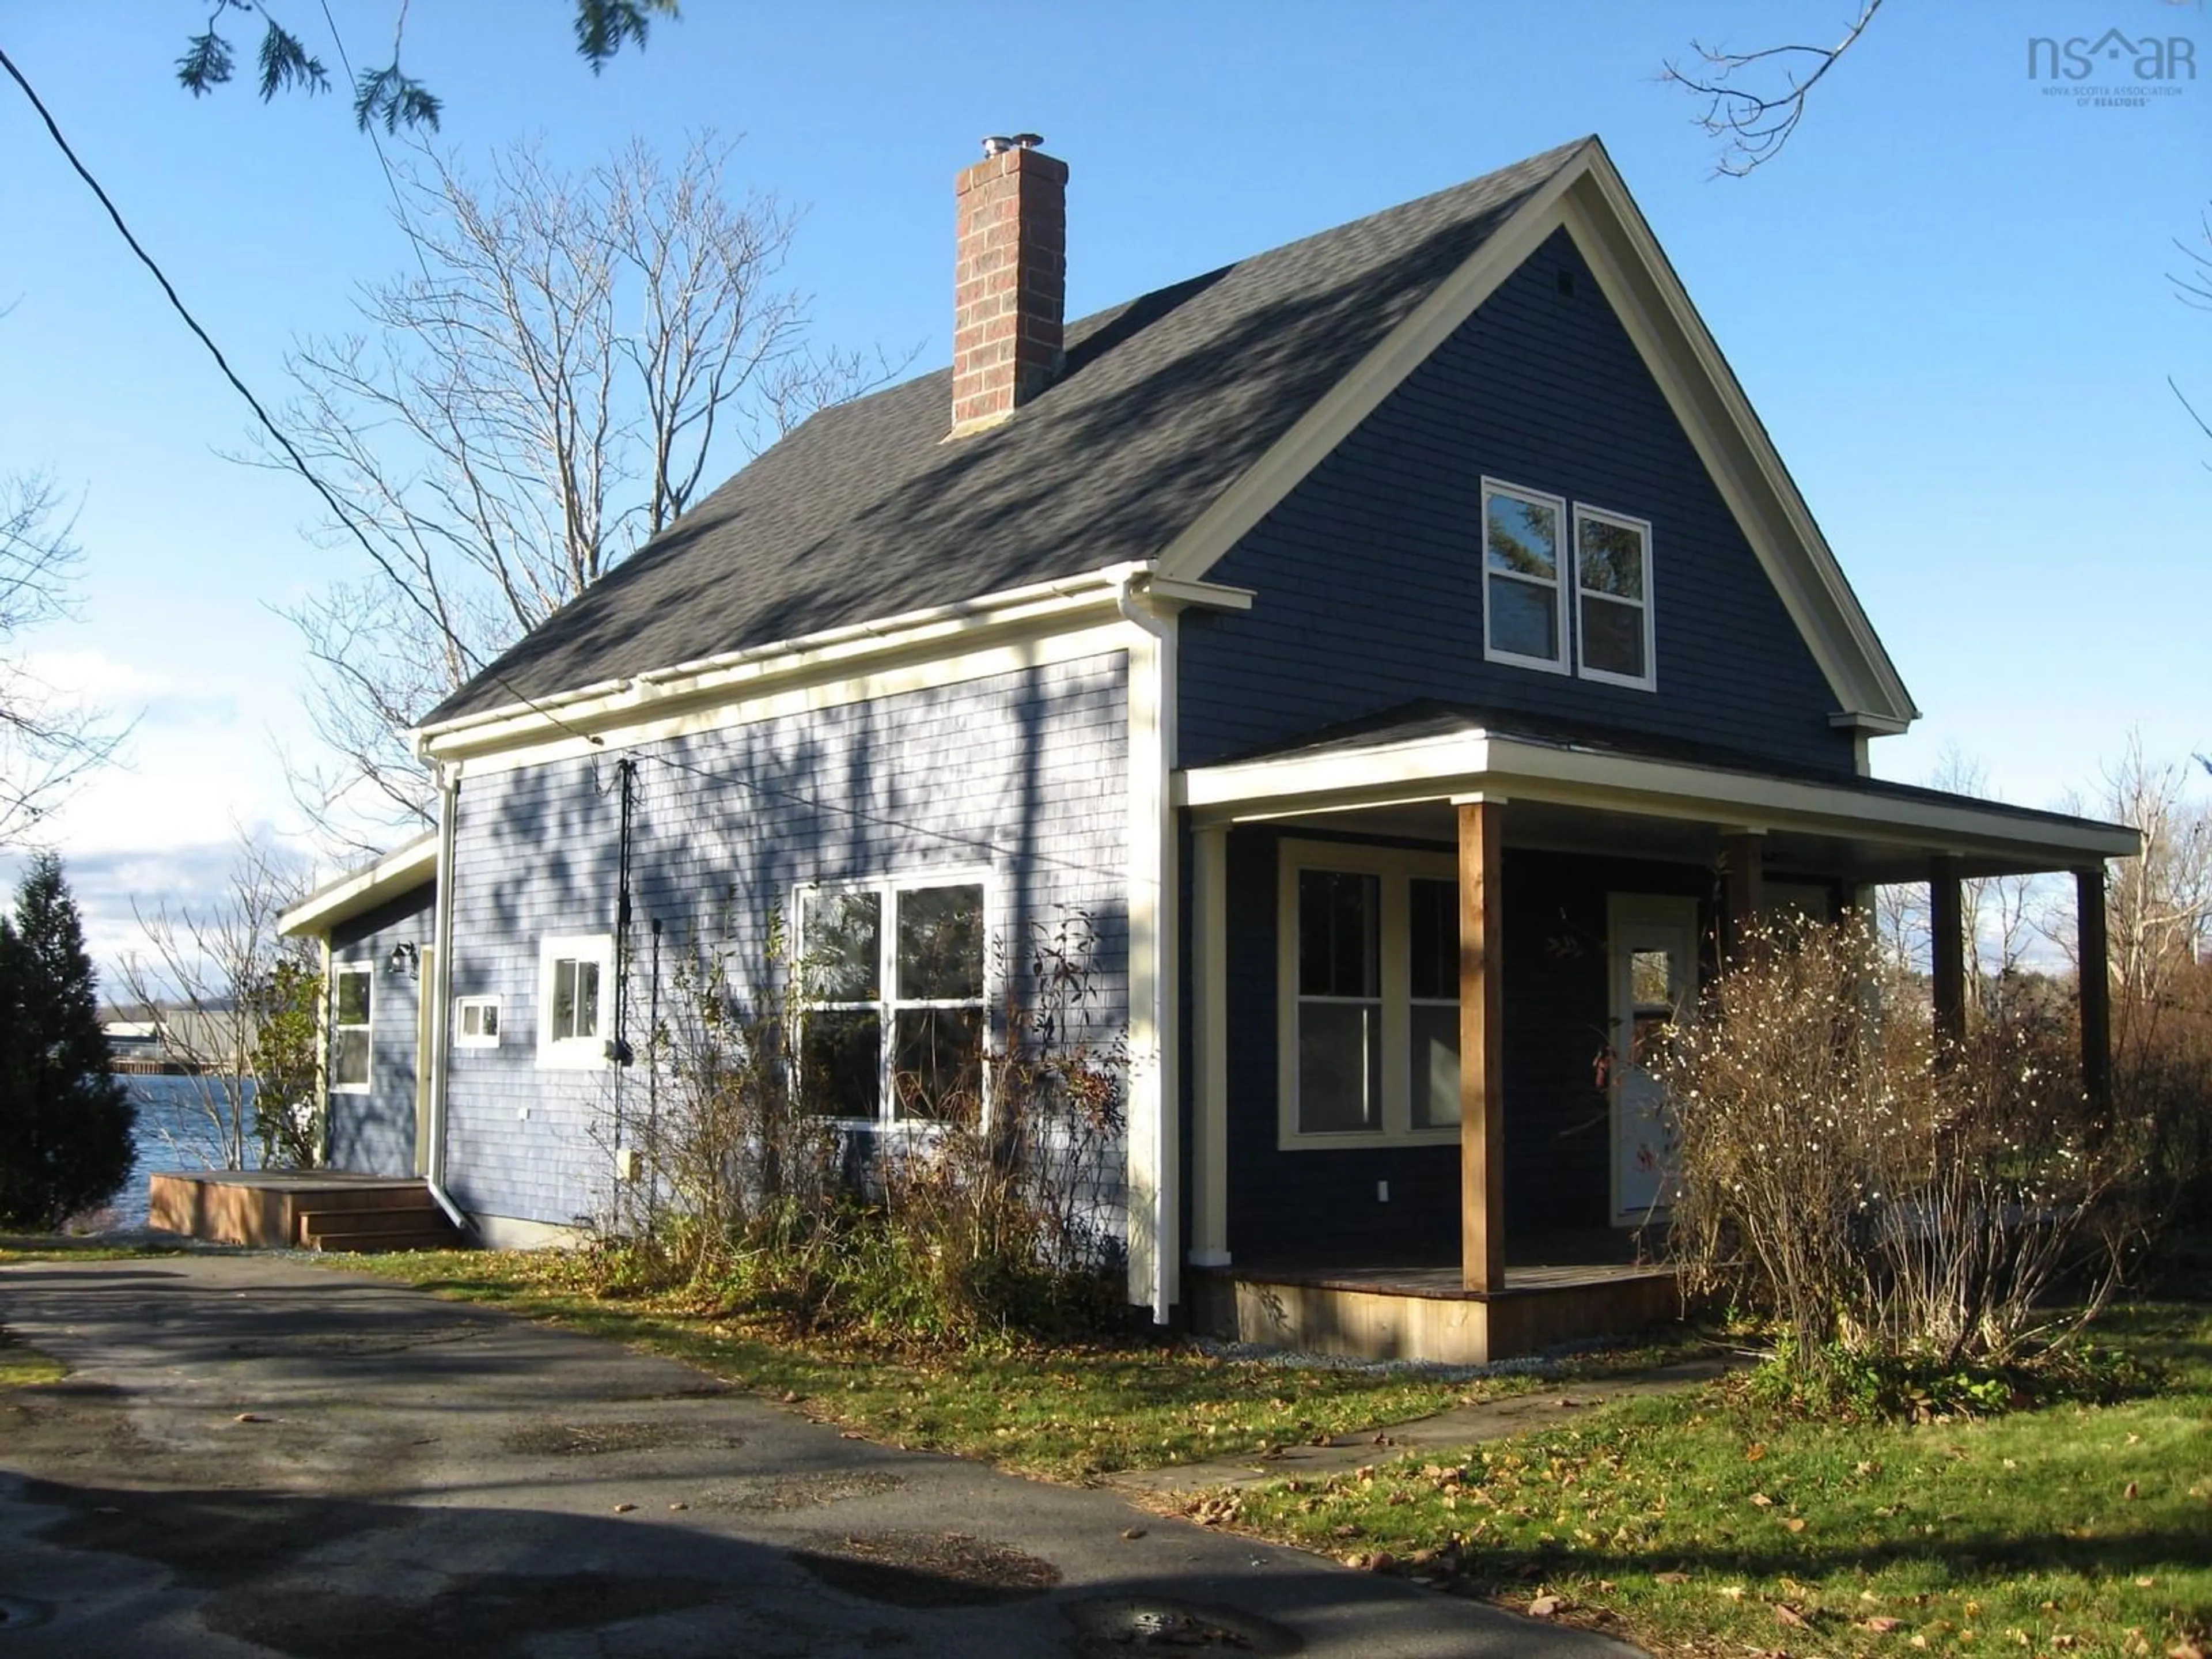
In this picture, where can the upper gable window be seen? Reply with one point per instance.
(1524, 533)
(1613, 580)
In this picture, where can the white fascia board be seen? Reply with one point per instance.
(1632, 268)
(1586, 198)
(1041, 608)
(1462, 763)
(397, 871)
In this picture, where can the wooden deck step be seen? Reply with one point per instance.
(321, 1219)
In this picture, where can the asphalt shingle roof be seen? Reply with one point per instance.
(865, 511)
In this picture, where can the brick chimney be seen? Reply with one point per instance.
(1010, 280)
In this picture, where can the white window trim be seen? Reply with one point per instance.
(462, 1037)
(367, 970)
(1649, 680)
(1396, 866)
(1560, 587)
(574, 1054)
(887, 889)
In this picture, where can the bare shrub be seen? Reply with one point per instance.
(995, 1209)
(983, 1219)
(732, 1168)
(1880, 1197)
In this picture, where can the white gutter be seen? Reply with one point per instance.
(889, 632)
(1155, 1134)
(441, 979)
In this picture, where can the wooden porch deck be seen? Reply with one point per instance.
(1423, 1311)
(303, 1209)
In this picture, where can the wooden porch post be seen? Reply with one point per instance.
(1744, 868)
(2095, 960)
(1482, 1045)
(1947, 949)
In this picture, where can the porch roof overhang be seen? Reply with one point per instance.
(362, 889)
(1581, 790)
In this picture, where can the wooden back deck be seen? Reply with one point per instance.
(304, 1209)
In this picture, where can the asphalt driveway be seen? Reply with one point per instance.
(252, 1456)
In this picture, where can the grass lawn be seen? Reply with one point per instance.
(1699, 1523)
(21, 1365)
(1066, 1413)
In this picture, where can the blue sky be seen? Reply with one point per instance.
(1949, 300)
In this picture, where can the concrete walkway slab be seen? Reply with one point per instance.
(1463, 1426)
(253, 1457)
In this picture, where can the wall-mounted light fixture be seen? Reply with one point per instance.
(405, 959)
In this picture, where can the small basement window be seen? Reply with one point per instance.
(1522, 535)
(576, 989)
(352, 998)
(1613, 583)
(476, 1022)
(895, 1017)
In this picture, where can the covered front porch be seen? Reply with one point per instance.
(1423, 954)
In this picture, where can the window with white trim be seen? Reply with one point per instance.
(1523, 536)
(1370, 1003)
(1613, 594)
(576, 1000)
(895, 1006)
(352, 998)
(475, 1022)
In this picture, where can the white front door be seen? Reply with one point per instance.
(1654, 975)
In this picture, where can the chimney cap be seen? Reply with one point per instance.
(999, 144)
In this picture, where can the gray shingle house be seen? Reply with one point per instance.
(1406, 644)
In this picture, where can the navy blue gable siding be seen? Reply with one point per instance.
(1368, 577)
(375, 1134)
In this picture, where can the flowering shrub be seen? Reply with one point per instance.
(1880, 1197)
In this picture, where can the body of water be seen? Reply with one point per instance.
(176, 1130)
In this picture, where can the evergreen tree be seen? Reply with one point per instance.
(65, 1120)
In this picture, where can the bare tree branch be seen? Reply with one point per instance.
(48, 742)
(1755, 118)
(546, 390)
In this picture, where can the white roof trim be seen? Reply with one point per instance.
(1586, 198)
(1457, 765)
(400, 871)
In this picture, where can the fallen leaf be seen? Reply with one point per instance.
(1762, 1500)
(2145, 1584)
(679, 1505)
(2186, 1650)
(252, 1417)
(1734, 1592)
(1132, 1532)
(1670, 1578)
(1880, 1624)
(1545, 1607)
(852, 1434)
(1755, 1451)
(2133, 1490)
(624, 1509)
(1786, 1614)
(1795, 1524)
(1919, 1641)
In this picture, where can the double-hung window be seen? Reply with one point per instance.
(894, 1005)
(1369, 1002)
(1613, 583)
(1596, 622)
(352, 993)
(576, 1000)
(1523, 538)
